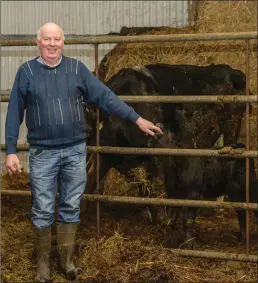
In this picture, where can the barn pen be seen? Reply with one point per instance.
(179, 152)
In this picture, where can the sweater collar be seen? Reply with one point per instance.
(40, 60)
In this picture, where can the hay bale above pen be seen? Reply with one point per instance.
(212, 17)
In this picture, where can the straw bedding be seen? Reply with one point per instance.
(129, 249)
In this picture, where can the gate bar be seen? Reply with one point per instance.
(181, 99)
(141, 38)
(159, 151)
(215, 255)
(97, 144)
(247, 144)
(151, 201)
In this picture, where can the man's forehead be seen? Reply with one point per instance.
(51, 30)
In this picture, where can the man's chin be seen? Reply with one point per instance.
(52, 56)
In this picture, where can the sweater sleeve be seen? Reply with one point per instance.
(15, 112)
(101, 95)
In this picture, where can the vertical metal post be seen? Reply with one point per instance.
(97, 143)
(247, 143)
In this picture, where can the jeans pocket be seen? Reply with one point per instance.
(36, 151)
(81, 148)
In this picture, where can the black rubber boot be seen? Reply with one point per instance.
(43, 250)
(66, 234)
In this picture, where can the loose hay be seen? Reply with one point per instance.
(116, 184)
(214, 16)
(16, 250)
(126, 258)
(129, 251)
(137, 183)
(117, 257)
(16, 182)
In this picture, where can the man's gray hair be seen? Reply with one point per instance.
(39, 33)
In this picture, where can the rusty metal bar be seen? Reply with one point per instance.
(160, 151)
(171, 151)
(191, 99)
(215, 255)
(151, 201)
(247, 145)
(5, 92)
(172, 202)
(97, 144)
(181, 98)
(142, 38)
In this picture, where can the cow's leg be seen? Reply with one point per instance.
(170, 183)
(171, 232)
(149, 211)
(152, 168)
(173, 214)
(154, 216)
(237, 194)
(189, 218)
(189, 215)
(242, 225)
(256, 215)
(173, 211)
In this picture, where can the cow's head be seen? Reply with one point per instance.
(239, 80)
(237, 77)
(137, 81)
(167, 140)
(149, 111)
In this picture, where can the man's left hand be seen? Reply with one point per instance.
(148, 127)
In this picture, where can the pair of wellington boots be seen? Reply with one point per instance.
(66, 235)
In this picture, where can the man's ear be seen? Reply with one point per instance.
(37, 42)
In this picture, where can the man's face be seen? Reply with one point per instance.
(51, 44)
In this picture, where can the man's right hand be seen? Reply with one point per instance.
(12, 164)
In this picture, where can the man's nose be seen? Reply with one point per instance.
(52, 42)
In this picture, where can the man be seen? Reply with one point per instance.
(51, 88)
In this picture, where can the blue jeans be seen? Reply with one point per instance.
(49, 167)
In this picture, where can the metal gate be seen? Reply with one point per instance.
(247, 36)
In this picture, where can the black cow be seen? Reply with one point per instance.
(164, 79)
(122, 133)
(195, 125)
(204, 178)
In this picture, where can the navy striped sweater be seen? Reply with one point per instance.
(52, 98)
